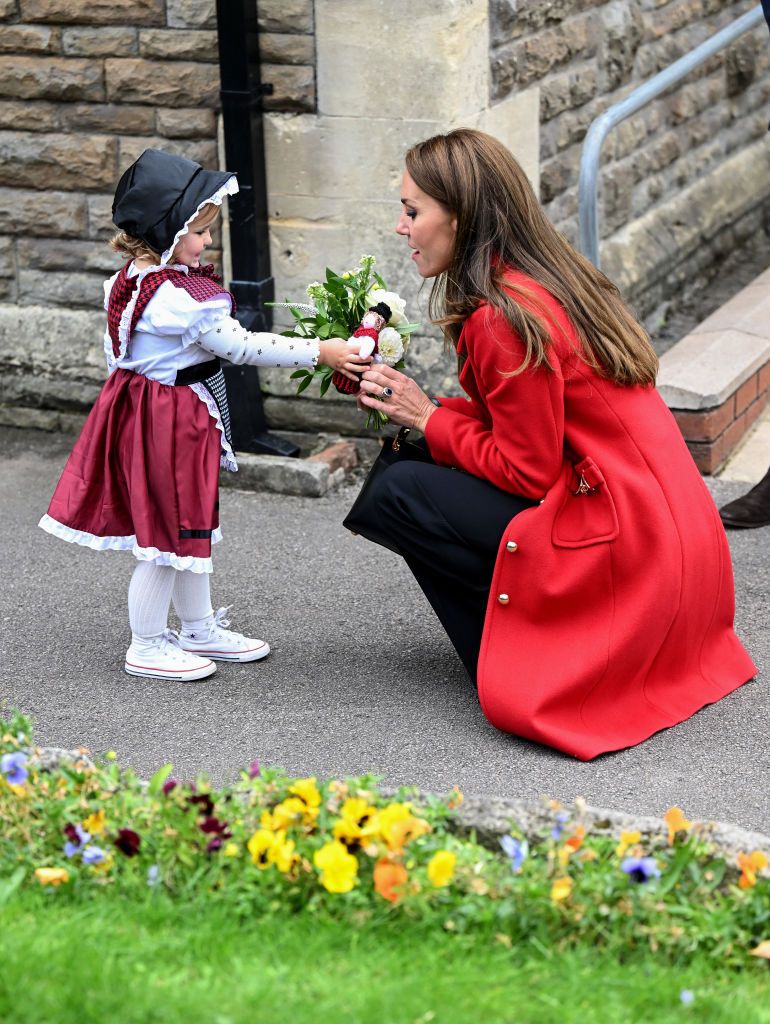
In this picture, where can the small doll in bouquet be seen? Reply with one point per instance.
(370, 328)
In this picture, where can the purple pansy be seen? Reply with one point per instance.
(254, 769)
(169, 785)
(93, 855)
(77, 837)
(640, 869)
(152, 875)
(13, 767)
(515, 850)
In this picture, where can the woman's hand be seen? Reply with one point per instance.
(408, 405)
(343, 356)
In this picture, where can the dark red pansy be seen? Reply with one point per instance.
(203, 802)
(168, 785)
(128, 842)
(213, 844)
(72, 834)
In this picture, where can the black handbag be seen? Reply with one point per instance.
(364, 516)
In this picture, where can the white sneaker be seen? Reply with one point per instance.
(164, 658)
(221, 644)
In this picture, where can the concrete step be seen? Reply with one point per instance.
(716, 380)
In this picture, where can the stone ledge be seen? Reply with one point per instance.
(308, 478)
(716, 380)
(490, 818)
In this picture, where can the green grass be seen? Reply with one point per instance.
(109, 960)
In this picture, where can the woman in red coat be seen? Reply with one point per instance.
(576, 559)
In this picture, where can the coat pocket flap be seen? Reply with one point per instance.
(587, 513)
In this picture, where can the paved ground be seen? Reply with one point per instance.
(362, 677)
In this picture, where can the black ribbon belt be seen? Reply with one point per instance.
(198, 372)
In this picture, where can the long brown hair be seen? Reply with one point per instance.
(501, 224)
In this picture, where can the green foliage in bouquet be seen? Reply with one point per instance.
(336, 309)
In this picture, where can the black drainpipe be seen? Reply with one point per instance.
(252, 284)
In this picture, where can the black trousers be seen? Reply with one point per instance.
(447, 525)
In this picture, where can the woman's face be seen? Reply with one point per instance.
(429, 228)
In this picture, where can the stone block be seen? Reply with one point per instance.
(169, 84)
(179, 123)
(59, 350)
(29, 116)
(80, 162)
(282, 48)
(41, 419)
(741, 65)
(7, 257)
(27, 212)
(191, 13)
(704, 369)
(8, 9)
(30, 39)
(65, 254)
(622, 28)
(94, 12)
(312, 415)
(64, 288)
(99, 208)
(301, 477)
(132, 147)
(52, 78)
(100, 41)
(293, 87)
(286, 16)
(177, 44)
(126, 118)
(382, 81)
(529, 60)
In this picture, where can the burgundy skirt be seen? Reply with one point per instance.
(143, 475)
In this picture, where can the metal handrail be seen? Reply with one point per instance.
(588, 221)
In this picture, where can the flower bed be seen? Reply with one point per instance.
(274, 844)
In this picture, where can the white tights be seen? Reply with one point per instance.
(151, 591)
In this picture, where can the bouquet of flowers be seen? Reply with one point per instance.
(337, 308)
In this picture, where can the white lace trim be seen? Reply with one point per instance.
(227, 459)
(229, 188)
(124, 327)
(207, 321)
(90, 540)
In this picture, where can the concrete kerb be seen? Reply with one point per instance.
(490, 818)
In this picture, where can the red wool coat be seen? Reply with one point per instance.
(611, 610)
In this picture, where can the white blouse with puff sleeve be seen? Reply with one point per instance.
(175, 331)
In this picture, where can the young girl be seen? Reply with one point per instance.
(143, 475)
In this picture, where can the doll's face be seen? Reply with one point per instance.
(191, 246)
(429, 228)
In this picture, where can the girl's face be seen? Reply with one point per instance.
(429, 228)
(191, 246)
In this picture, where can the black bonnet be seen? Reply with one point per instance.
(160, 193)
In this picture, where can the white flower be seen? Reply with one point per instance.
(315, 288)
(391, 347)
(395, 302)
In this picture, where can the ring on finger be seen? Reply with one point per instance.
(387, 393)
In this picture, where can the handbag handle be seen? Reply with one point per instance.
(400, 436)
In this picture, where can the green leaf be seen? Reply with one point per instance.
(408, 328)
(325, 385)
(304, 384)
(300, 373)
(8, 886)
(160, 776)
(324, 331)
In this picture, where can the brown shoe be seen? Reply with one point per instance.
(750, 511)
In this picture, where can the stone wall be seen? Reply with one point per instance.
(585, 55)
(85, 85)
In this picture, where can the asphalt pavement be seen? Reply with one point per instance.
(361, 677)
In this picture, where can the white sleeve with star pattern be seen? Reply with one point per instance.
(229, 340)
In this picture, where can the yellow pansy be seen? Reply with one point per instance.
(307, 790)
(95, 823)
(338, 867)
(282, 854)
(398, 825)
(441, 868)
(561, 889)
(627, 839)
(231, 850)
(291, 811)
(52, 876)
(358, 821)
(258, 846)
